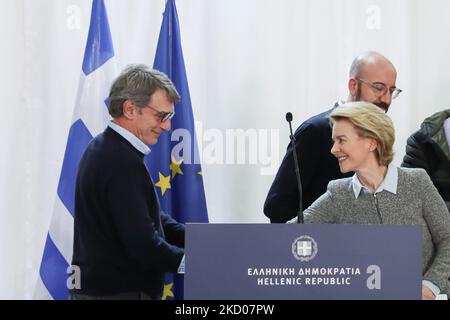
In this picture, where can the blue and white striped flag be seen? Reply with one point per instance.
(89, 119)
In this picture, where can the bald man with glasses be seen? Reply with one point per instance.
(372, 78)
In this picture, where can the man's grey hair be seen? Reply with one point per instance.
(138, 83)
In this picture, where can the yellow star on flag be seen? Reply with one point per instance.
(200, 173)
(163, 183)
(175, 167)
(167, 292)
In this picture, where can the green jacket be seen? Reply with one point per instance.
(428, 149)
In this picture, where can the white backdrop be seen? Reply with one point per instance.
(248, 63)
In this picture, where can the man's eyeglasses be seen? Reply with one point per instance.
(381, 89)
(163, 116)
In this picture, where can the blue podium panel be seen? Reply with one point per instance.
(292, 261)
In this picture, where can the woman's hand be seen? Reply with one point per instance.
(427, 294)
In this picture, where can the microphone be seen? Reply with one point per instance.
(297, 170)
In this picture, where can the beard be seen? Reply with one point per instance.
(382, 105)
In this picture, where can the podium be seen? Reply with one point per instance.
(303, 262)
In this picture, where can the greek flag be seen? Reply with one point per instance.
(89, 119)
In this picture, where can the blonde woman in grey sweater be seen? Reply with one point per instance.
(381, 193)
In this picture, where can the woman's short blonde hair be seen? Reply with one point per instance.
(370, 122)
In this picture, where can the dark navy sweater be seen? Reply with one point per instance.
(317, 167)
(122, 242)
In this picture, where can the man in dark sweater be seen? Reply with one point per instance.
(123, 243)
(372, 79)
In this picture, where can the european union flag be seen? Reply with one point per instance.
(174, 165)
(89, 119)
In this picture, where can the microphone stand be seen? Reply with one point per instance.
(297, 170)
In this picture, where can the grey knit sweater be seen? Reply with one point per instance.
(417, 202)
